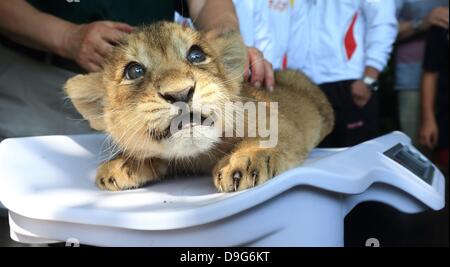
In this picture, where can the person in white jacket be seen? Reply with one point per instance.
(343, 45)
(264, 24)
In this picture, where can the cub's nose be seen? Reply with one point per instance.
(184, 95)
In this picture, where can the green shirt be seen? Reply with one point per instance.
(133, 12)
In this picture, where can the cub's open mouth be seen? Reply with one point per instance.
(182, 122)
(190, 120)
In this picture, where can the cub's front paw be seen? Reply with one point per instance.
(121, 174)
(246, 169)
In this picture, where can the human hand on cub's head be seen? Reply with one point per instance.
(90, 44)
(258, 70)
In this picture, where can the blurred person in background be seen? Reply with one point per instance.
(343, 46)
(433, 133)
(43, 43)
(264, 24)
(434, 124)
(416, 17)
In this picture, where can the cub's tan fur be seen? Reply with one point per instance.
(137, 116)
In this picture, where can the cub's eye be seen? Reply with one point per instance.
(196, 55)
(134, 71)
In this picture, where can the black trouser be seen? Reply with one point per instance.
(354, 125)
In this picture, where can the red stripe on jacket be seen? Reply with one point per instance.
(349, 41)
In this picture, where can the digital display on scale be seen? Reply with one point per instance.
(412, 161)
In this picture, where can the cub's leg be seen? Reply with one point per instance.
(250, 165)
(305, 118)
(123, 173)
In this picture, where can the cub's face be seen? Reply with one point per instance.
(163, 91)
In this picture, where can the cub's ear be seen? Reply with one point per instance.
(88, 95)
(232, 53)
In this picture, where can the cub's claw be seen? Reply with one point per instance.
(120, 174)
(246, 169)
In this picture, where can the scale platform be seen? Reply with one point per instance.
(47, 184)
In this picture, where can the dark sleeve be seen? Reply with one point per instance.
(434, 51)
(40, 5)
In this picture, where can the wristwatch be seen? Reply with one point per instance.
(371, 83)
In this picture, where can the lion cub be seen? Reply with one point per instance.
(164, 76)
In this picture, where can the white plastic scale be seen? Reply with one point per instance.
(47, 183)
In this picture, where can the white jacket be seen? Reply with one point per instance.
(264, 24)
(334, 40)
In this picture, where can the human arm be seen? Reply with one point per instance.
(33, 24)
(381, 30)
(428, 135)
(439, 16)
(432, 65)
(87, 44)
